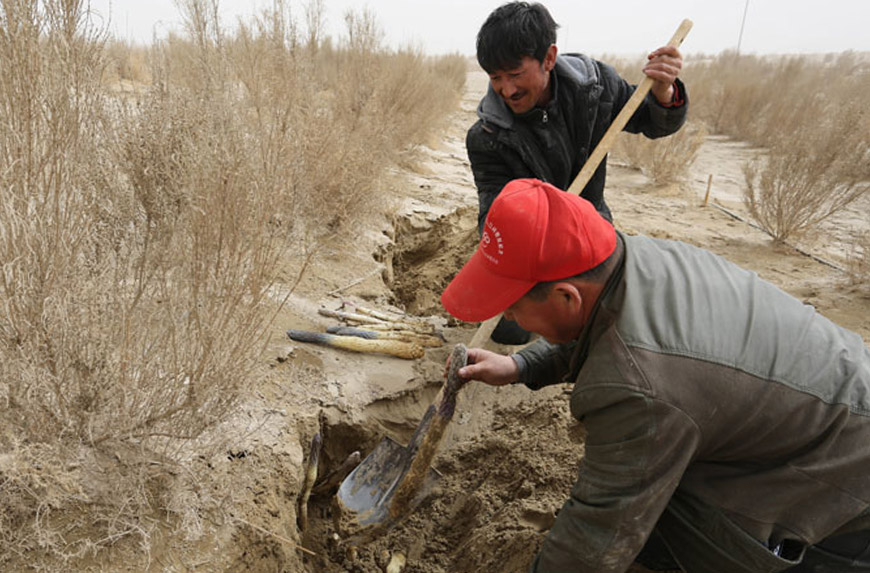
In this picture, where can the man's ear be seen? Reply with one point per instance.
(567, 296)
(550, 58)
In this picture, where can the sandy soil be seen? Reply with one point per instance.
(509, 461)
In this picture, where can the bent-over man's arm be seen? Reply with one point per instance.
(636, 451)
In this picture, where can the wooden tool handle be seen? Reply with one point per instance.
(603, 147)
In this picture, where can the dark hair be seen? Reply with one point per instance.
(598, 274)
(512, 32)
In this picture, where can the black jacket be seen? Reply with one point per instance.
(543, 142)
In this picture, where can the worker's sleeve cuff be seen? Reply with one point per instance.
(522, 366)
(677, 98)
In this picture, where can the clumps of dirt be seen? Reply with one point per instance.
(427, 251)
(498, 495)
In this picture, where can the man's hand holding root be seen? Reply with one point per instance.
(489, 367)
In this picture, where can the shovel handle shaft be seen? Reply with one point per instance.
(603, 147)
(483, 331)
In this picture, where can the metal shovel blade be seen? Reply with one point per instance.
(393, 479)
(364, 496)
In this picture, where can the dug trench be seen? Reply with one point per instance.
(426, 252)
(498, 494)
(506, 464)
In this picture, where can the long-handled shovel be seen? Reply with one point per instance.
(392, 480)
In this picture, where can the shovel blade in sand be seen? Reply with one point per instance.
(393, 479)
(364, 496)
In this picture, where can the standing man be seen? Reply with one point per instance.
(544, 113)
(728, 424)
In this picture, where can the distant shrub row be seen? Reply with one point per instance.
(806, 112)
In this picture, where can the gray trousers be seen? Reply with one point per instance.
(696, 538)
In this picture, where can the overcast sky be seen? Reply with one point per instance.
(591, 26)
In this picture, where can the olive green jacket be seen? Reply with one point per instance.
(696, 374)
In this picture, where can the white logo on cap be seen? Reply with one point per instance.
(486, 242)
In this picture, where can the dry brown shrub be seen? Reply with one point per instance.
(806, 111)
(136, 264)
(140, 239)
(757, 99)
(338, 116)
(664, 160)
(727, 92)
(126, 62)
(812, 170)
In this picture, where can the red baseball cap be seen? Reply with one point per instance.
(534, 232)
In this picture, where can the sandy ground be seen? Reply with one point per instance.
(508, 463)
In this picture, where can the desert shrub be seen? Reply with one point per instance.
(378, 104)
(810, 171)
(805, 111)
(126, 63)
(728, 91)
(756, 99)
(664, 160)
(141, 236)
(136, 263)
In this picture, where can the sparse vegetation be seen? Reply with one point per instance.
(807, 113)
(140, 236)
(665, 160)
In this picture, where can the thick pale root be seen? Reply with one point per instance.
(398, 348)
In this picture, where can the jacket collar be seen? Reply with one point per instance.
(574, 69)
(603, 315)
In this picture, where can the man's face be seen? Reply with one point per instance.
(555, 318)
(527, 85)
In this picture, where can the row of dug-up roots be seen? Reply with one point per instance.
(372, 331)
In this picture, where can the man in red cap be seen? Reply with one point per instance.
(728, 424)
